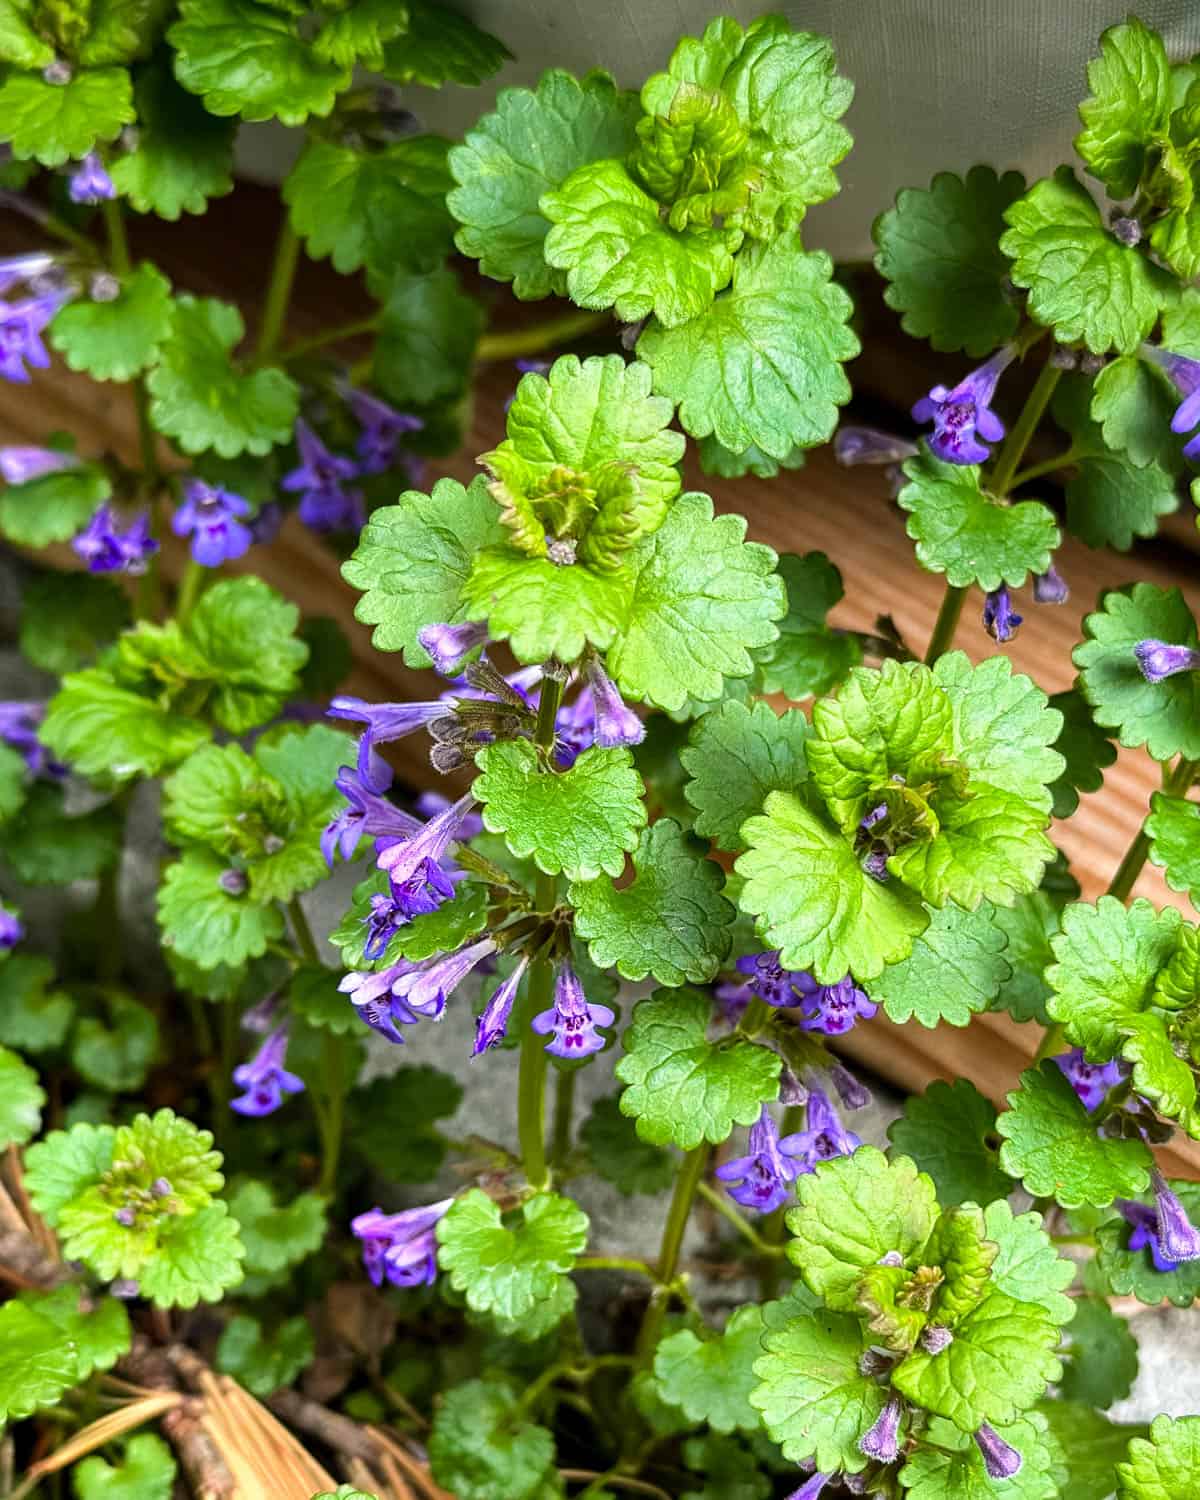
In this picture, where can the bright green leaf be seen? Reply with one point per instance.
(711, 1380)
(147, 1472)
(481, 1447)
(114, 340)
(439, 46)
(809, 658)
(206, 923)
(1174, 830)
(1129, 105)
(955, 969)
(183, 156)
(53, 508)
(21, 1100)
(507, 1270)
(1164, 1467)
(735, 757)
(58, 122)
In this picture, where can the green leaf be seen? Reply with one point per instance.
(1174, 831)
(481, 1448)
(14, 778)
(413, 559)
(1081, 281)
(952, 1467)
(200, 398)
(1129, 105)
(1086, 749)
(815, 902)
(1088, 1447)
(955, 969)
(314, 996)
(183, 155)
(263, 1360)
(1133, 401)
(147, 1472)
(21, 1100)
(1163, 716)
(20, 43)
(607, 235)
(815, 1401)
(809, 659)
(67, 617)
(618, 1153)
(964, 533)
(682, 1089)
(58, 122)
(439, 931)
(1029, 926)
(122, 31)
(711, 1381)
(716, 459)
(735, 756)
(728, 1469)
(440, 46)
(198, 1260)
(1165, 1467)
(581, 821)
(65, 1164)
(939, 250)
(1102, 1357)
(530, 145)
(275, 1237)
(45, 847)
(204, 922)
(115, 340)
(385, 210)
(37, 1365)
(117, 1057)
(53, 508)
(245, 632)
(101, 729)
(542, 609)
(1027, 1266)
(508, 1270)
(762, 365)
(395, 1121)
(1051, 1144)
(356, 35)
(950, 1133)
(853, 1210)
(701, 597)
(248, 59)
(98, 1329)
(1131, 1273)
(1109, 502)
(672, 922)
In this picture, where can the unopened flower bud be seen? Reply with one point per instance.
(935, 1338)
(57, 73)
(104, 287)
(233, 882)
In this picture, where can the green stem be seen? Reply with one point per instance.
(687, 1182)
(946, 623)
(302, 932)
(339, 335)
(118, 241)
(1047, 466)
(191, 586)
(335, 1096)
(541, 336)
(614, 1263)
(564, 1106)
(279, 290)
(743, 1225)
(1013, 451)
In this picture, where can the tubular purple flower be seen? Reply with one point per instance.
(492, 1025)
(575, 729)
(401, 1248)
(832, 1008)
(1000, 1459)
(373, 1000)
(1091, 1081)
(962, 414)
(366, 812)
(733, 997)
(1159, 660)
(21, 325)
(423, 892)
(868, 445)
(769, 980)
(18, 729)
(450, 645)
(428, 844)
(15, 269)
(429, 804)
(213, 518)
(264, 1077)
(319, 479)
(1184, 373)
(791, 1090)
(823, 1137)
(11, 929)
(265, 523)
(107, 549)
(882, 1440)
(811, 1488)
(1178, 1237)
(19, 465)
(853, 1093)
(1144, 1223)
(89, 182)
(615, 724)
(1000, 620)
(1050, 587)
(572, 1021)
(762, 1179)
(386, 722)
(382, 428)
(426, 989)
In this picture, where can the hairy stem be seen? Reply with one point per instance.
(279, 290)
(946, 623)
(687, 1183)
(541, 336)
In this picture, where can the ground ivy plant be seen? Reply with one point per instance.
(679, 831)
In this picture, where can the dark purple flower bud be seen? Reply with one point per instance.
(615, 723)
(769, 980)
(811, 1488)
(213, 518)
(962, 415)
(20, 465)
(1126, 231)
(260, 1018)
(1063, 357)
(1089, 363)
(823, 1137)
(161, 1188)
(934, 1338)
(853, 1093)
(21, 325)
(265, 523)
(868, 445)
(125, 1217)
(492, 1024)
(1000, 620)
(762, 1179)
(1091, 1081)
(382, 428)
(426, 988)
(386, 722)
(1000, 1459)
(106, 548)
(124, 1289)
(400, 1247)
(832, 1008)
(11, 930)
(1050, 587)
(1144, 1223)
(450, 645)
(1177, 1236)
(366, 812)
(264, 1078)
(233, 882)
(373, 1000)
(882, 1440)
(89, 182)
(18, 730)
(1159, 660)
(875, 865)
(319, 479)
(791, 1090)
(572, 1021)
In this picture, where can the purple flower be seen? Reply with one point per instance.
(428, 844)
(962, 414)
(373, 1000)
(733, 997)
(366, 812)
(572, 1021)
(11, 930)
(89, 182)
(1000, 1459)
(851, 1091)
(426, 988)
(575, 729)
(386, 722)
(1050, 587)
(264, 1077)
(868, 445)
(823, 1137)
(615, 724)
(21, 325)
(107, 549)
(260, 1018)
(1178, 1238)
(769, 980)
(423, 892)
(1144, 1223)
(29, 267)
(20, 465)
(1185, 373)
(382, 428)
(762, 1179)
(319, 478)
(400, 1247)
(1091, 1081)
(811, 1488)
(265, 523)
(1000, 620)
(1159, 659)
(492, 1024)
(429, 804)
(882, 1440)
(18, 729)
(832, 1008)
(212, 517)
(449, 645)
(935, 1338)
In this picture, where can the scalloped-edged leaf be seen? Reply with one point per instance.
(736, 755)
(950, 1132)
(955, 969)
